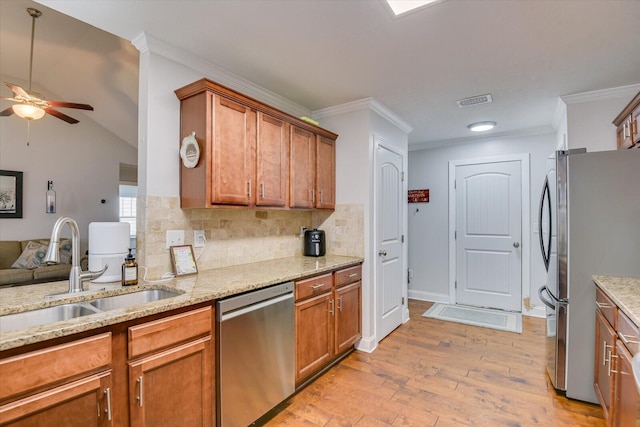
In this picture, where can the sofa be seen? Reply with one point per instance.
(21, 262)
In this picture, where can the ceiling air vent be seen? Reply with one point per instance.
(474, 100)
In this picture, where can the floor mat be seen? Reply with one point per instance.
(484, 317)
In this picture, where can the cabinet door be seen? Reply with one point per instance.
(82, 403)
(603, 379)
(325, 173)
(233, 149)
(626, 403)
(173, 388)
(302, 168)
(272, 161)
(314, 335)
(348, 313)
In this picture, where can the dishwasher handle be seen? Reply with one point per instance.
(254, 307)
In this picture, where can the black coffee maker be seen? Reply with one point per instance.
(314, 243)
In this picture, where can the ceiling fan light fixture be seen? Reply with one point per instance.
(481, 126)
(28, 112)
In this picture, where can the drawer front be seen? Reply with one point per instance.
(314, 286)
(608, 308)
(163, 333)
(348, 276)
(54, 365)
(628, 333)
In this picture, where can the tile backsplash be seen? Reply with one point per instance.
(240, 236)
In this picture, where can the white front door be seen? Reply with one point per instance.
(389, 271)
(489, 235)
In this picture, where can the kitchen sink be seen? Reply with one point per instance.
(58, 313)
(43, 316)
(135, 298)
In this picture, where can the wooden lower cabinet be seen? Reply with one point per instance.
(314, 335)
(348, 314)
(173, 387)
(626, 405)
(603, 379)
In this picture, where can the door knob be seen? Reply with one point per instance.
(382, 253)
(516, 244)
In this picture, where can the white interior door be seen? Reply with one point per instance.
(489, 235)
(389, 285)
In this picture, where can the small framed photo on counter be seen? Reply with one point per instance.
(183, 260)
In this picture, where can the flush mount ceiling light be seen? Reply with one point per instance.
(481, 126)
(400, 7)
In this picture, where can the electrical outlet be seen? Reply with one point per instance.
(174, 238)
(198, 238)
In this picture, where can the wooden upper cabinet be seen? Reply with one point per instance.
(251, 154)
(272, 161)
(302, 169)
(325, 194)
(627, 126)
(232, 147)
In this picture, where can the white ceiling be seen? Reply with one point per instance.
(321, 53)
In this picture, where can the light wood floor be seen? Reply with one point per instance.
(434, 373)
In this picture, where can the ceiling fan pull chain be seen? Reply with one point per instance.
(28, 131)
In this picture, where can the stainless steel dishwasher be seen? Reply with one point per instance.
(255, 353)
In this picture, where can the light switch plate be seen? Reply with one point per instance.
(174, 238)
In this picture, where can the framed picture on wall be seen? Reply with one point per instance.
(183, 260)
(10, 194)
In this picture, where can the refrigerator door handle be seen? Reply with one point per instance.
(544, 300)
(546, 252)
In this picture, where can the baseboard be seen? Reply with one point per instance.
(536, 312)
(367, 344)
(428, 296)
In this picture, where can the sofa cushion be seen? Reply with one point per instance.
(59, 271)
(65, 248)
(32, 256)
(15, 275)
(10, 250)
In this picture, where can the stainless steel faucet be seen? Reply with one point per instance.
(76, 276)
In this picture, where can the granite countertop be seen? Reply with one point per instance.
(624, 292)
(207, 285)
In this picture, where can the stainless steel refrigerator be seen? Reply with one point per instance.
(589, 224)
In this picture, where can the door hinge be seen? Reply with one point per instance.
(455, 184)
(455, 284)
(402, 300)
(455, 235)
(402, 176)
(402, 239)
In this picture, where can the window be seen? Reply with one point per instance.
(128, 199)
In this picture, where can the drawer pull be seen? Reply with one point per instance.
(352, 275)
(602, 305)
(316, 287)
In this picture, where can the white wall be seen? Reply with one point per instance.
(83, 161)
(428, 222)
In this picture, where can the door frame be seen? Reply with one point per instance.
(382, 142)
(525, 225)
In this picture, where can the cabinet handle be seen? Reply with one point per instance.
(249, 189)
(139, 398)
(313, 195)
(352, 275)
(604, 352)
(107, 393)
(262, 189)
(611, 357)
(321, 196)
(316, 287)
(340, 303)
(331, 307)
(602, 305)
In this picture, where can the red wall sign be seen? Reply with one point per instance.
(419, 196)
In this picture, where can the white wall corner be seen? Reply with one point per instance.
(219, 74)
(596, 95)
(559, 114)
(364, 104)
(367, 344)
(140, 42)
(535, 311)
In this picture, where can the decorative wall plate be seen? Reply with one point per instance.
(190, 151)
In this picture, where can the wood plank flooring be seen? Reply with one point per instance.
(434, 373)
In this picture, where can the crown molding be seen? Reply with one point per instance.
(541, 130)
(148, 43)
(363, 104)
(597, 95)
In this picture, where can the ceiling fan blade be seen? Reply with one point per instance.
(9, 99)
(70, 105)
(61, 116)
(17, 89)
(7, 112)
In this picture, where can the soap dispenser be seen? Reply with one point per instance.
(129, 270)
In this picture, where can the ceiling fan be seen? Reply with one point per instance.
(31, 105)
